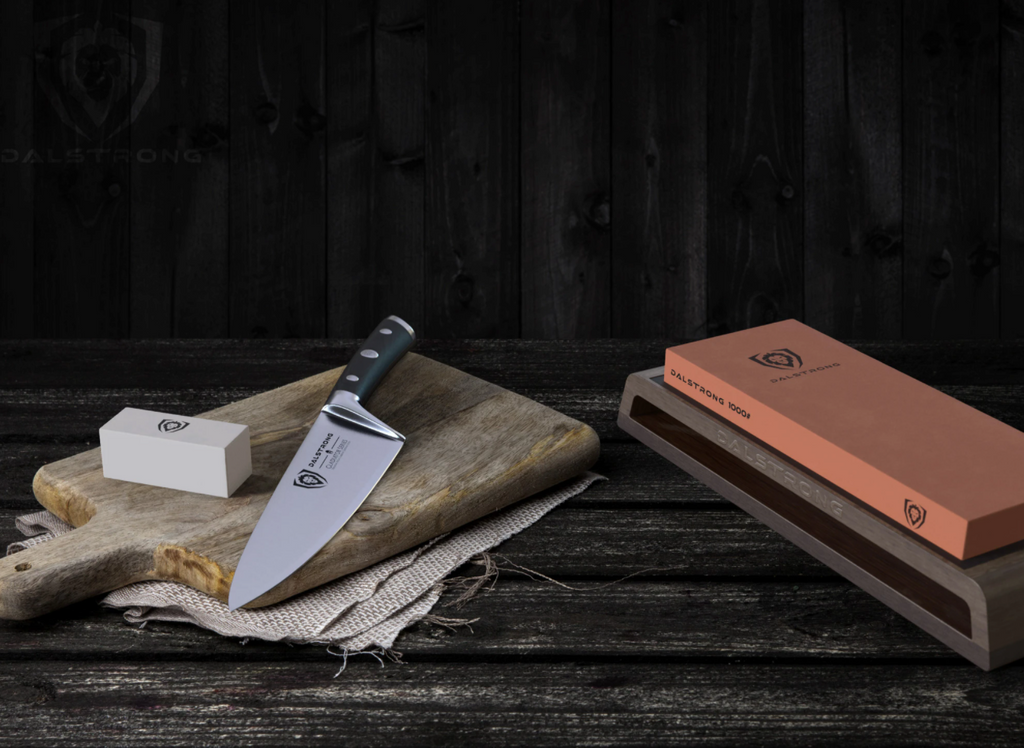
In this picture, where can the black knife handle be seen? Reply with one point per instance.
(386, 345)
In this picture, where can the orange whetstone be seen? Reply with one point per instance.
(943, 470)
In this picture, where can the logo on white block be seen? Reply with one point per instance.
(169, 425)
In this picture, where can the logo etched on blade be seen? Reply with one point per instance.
(169, 425)
(309, 479)
(780, 358)
(915, 513)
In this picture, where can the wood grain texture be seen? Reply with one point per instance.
(179, 177)
(370, 198)
(17, 60)
(83, 102)
(587, 369)
(566, 209)
(659, 169)
(278, 163)
(32, 415)
(496, 447)
(951, 169)
(350, 145)
(1011, 165)
(376, 131)
(825, 618)
(390, 279)
(586, 374)
(853, 236)
(660, 542)
(636, 476)
(674, 533)
(785, 703)
(755, 164)
(472, 170)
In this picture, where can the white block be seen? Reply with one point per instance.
(182, 452)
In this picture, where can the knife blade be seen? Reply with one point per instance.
(343, 456)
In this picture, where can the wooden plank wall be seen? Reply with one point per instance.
(545, 169)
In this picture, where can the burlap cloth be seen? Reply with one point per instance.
(361, 612)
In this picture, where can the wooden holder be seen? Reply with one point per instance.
(976, 607)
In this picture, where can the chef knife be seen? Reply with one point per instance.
(342, 458)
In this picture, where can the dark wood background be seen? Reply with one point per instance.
(545, 169)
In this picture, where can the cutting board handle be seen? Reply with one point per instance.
(85, 562)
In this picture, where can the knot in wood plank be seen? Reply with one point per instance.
(208, 136)
(409, 26)
(266, 113)
(597, 211)
(463, 289)
(762, 309)
(932, 42)
(940, 267)
(982, 260)
(408, 160)
(881, 244)
(308, 120)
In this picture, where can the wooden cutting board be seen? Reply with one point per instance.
(472, 448)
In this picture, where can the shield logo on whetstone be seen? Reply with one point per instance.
(780, 358)
(915, 513)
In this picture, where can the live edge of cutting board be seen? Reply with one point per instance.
(472, 448)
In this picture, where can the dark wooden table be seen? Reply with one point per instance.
(734, 637)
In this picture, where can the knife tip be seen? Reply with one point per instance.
(235, 602)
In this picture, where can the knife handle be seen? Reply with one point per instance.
(386, 345)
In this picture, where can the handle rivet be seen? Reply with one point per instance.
(368, 353)
(352, 377)
(385, 331)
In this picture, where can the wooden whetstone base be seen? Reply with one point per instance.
(976, 607)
